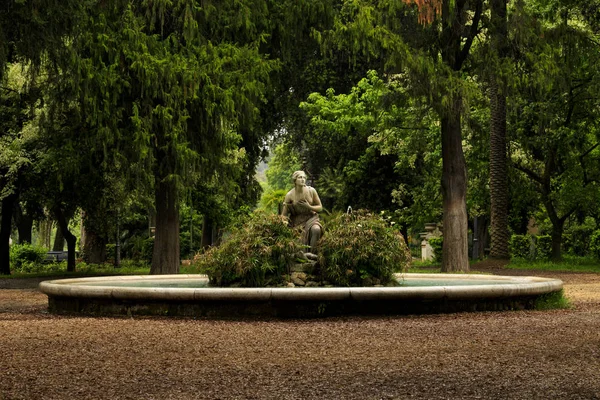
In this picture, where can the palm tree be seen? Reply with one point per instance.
(498, 156)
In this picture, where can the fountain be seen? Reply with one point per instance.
(191, 296)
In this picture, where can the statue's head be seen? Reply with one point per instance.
(298, 174)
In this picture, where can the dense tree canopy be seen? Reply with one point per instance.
(141, 113)
(555, 111)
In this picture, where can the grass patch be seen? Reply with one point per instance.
(424, 267)
(567, 264)
(82, 269)
(432, 267)
(552, 301)
(424, 270)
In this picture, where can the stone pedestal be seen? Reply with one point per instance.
(431, 230)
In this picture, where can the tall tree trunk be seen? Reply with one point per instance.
(94, 250)
(558, 223)
(8, 204)
(498, 154)
(24, 224)
(82, 231)
(480, 236)
(63, 224)
(165, 257)
(455, 251)
(44, 232)
(92, 244)
(59, 239)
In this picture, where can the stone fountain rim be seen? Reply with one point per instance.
(514, 287)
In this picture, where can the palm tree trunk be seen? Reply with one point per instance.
(498, 154)
(498, 175)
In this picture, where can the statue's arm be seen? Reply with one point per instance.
(316, 205)
(285, 211)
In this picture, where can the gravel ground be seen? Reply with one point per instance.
(504, 355)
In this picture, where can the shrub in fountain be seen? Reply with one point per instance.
(256, 253)
(361, 249)
(357, 249)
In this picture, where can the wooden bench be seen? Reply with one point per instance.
(56, 256)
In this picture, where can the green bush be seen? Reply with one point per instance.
(520, 246)
(41, 268)
(595, 244)
(576, 242)
(543, 247)
(137, 248)
(576, 239)
(437, 244)
(256, 253)
(110, 252)
(361, 248)
(26, 253)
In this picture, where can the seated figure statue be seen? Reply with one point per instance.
(301, 206)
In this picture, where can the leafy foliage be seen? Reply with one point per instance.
(272, 199)
(543, 247)
(553, 108)
(567, 264)
(282, 165)
(361, 247)
(595, 244)
(172, 91)
(190, 231)
(552, 301)
(520, 246)
(576, 240)
(137, 248)
(59, 269)
(437, 243)
(375, 136)
(257, 252)
(24, 254)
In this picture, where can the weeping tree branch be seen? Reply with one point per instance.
(586, 179)
(472, 34)
(530, 173)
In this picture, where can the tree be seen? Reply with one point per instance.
(555, 114)
(166, 88)
(498, 149)
(29, 31)
(434, 54)
(380, 149)
(34, 28)
(17, 152)
(283, 161)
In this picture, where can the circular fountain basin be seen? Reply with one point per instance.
(191, 296)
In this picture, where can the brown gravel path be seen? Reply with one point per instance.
(508, 355)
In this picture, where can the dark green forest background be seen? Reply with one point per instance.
(142, 123)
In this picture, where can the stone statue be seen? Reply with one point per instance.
(301, 206)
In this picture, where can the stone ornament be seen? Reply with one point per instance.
(301, 206)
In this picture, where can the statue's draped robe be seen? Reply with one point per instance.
(302, 217)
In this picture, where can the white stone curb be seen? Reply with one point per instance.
(510, 287)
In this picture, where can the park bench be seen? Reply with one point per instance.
(56, 256)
